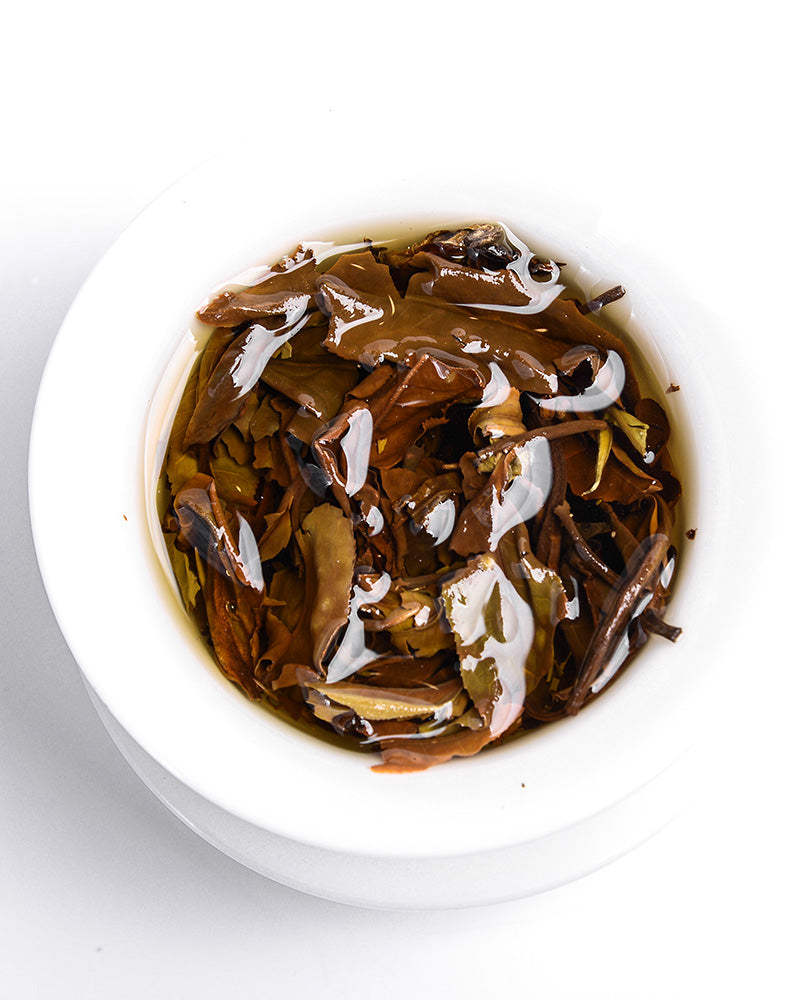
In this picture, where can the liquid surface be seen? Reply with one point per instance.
(415, 498)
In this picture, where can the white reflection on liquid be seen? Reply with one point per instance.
(507, 655)
(343, 297)
(497, 388)
(375, 520)
(440, 520)
(260, 344)
(352, 653)
(540, 294)
(249, 555)
(356, 444)
(527, 492)
(602, 393)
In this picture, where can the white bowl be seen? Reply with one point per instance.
(511, 821)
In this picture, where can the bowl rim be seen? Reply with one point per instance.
(140, 655)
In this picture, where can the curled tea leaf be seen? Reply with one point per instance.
(516, 491)
(499, 413)
(634, 429)
(206, 526)
(224, 396)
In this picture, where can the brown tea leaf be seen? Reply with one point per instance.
(328, 549)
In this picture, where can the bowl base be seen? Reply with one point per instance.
(399, 883)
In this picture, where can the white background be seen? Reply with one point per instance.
(681, 119)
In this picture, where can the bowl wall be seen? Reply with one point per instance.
(101, 421)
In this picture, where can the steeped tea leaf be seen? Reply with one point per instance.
(633, 428)
(377, 704)
(328, 549)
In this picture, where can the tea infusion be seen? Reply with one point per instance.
(415, 498)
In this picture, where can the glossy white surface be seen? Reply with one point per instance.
(694, 157)
(161, 685)
(416, 882)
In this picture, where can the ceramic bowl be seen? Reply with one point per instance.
(515, 819)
